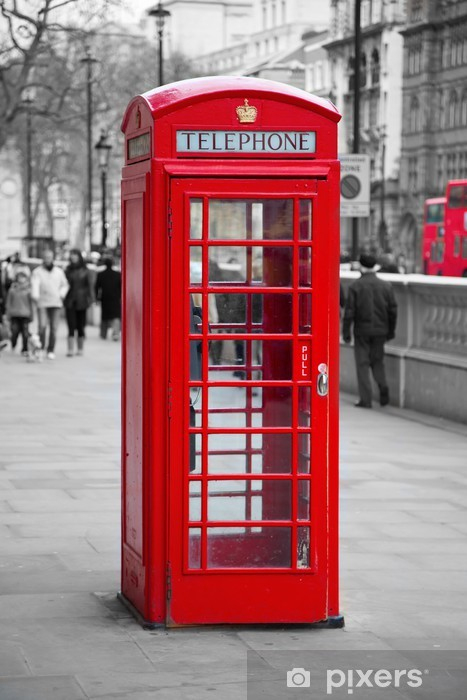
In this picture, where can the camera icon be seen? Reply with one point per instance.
(298, 678)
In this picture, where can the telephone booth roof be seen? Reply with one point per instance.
(174, 96)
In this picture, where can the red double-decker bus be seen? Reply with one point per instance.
(433, 236)
(455, 217)
(444, 245)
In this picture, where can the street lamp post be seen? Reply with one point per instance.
(161, 16)
(28, 100)
(103, 149)
(356, 114)
(89, 60)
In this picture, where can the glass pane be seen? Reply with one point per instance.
(304, 267)
(267, 313)
(240, 453)
(196, 266)
(249, 500)
(269, 219)
(231, 310)
(196, 404)
(195, 501)
(194, 548)
(278, 219)
(455, 197)
(196, 218)
(303, 506)
(305, 219)
(227, 407)
(227, 264)
(276, 267)
(304, 313)
(255, 360)
(249, 547)
(303, 547)
(228, 354)
(304, 453)
(195, 440)
(304, 406)
(227, 218)
(270, 266)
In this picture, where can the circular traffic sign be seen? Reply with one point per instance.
(350, 186)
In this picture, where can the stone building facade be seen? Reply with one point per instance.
(273, 48)
(434, 125)
(380, 107)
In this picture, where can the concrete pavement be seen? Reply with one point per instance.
(63, 634)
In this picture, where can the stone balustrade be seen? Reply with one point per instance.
(427, 361)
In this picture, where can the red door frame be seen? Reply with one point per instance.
(251, 595)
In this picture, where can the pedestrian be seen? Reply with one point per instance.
(108, 290)
(387, 263)
(372, 310)
(49, 287)
(13, 266)
(79, 298)
(19, 310)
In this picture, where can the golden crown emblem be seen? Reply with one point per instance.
(246, 113)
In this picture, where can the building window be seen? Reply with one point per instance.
(318, 75)
(416, 10)
(440, 171)
(414, 115)
(464, 108)
(453, 53)
(363, 66)
(265, 15)
(273, 14)
(375, 67)
(283, 11)
(446, 55)
(374, 106)
(415, 60)
(452, 110)
(366, 114)
(460, 165)
(413, 175)
(350, 72)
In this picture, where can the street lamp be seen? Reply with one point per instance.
(88, 60)
(103, 149)
(28, 101)
(161, 16)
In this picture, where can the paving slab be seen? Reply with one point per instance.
(45, 688)
(65, 636)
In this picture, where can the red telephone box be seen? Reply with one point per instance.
(230, 211)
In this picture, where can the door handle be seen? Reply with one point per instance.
(322, 384)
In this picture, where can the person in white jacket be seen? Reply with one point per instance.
(49, 287)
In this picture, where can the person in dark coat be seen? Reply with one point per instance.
(372, 310)
(77, 301)
(109, 292)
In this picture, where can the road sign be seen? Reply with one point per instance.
(355, 185)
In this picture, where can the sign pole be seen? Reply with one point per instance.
(356, 115)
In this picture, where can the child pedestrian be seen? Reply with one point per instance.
(19, 310)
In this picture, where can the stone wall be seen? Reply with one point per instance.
(427, 361)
